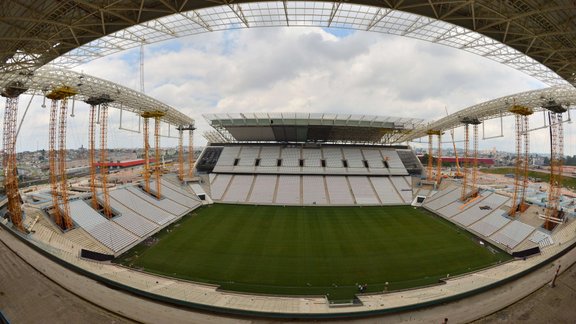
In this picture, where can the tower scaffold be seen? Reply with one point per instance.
(157, 166)
(59, 197)
(438, 177)
(102, 103)
(181, 172)
(191, 152)
(12, 92)
(554, 212)
(521, 114)
(467, 121)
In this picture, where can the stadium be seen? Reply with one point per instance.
(285, 215)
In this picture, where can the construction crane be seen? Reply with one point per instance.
(12, 92)
(467, 121)
(431, 134)
(521, 114)
(60, 199)
(102, 102)
(554, 214)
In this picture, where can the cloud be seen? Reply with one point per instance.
(305, 70)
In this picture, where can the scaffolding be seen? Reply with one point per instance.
(191, 152)
(92, 156)
(181, 154)
(554, 213)
(465, 195)
(12, 92)
(431, 134)
(157, 167)
(146, 171)
(59, 197)
(157, 164)
(521, 114)
(102, 103)
(181, 129)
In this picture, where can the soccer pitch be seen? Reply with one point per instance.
(312, 250)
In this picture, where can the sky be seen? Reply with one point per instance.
(300, 70)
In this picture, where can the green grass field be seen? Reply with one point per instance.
(312, 250)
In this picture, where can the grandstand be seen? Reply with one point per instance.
(310, 159)
(486, 217)
(137, 215)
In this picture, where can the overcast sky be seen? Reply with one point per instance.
(300, 70)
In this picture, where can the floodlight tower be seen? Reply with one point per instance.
(467, 121)
(61, 95)
(553, 213)
(12, 92)
(521, 114)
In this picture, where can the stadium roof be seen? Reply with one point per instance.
(537, 37)
(46, 79)
(563, 95)
(303, 127)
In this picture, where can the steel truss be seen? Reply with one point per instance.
(533, 36)
(553, 210)
(47, 79)
(534, 99)
(10, 162)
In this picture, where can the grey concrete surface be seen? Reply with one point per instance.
(26, 296)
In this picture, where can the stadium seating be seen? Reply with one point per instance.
(443, 198)
(339, 191)
(176, 194)
(136, 224)
(474, 213)
(292, 159)
(126, 202)
(165, 204)
(263, 189)
(239, 188)
(486, 217)
(490, 224)
(512, 234)
(219, 185)
(310, 174)
(541, 238)
(108, 233)
(404, 188)
(363, 191)
(289, 192)
(314, 190)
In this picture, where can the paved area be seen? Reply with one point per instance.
(546, 305)
(26, 296)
